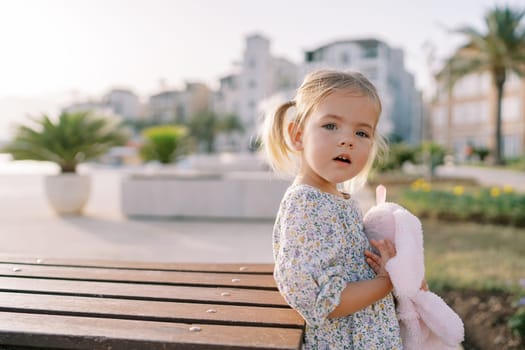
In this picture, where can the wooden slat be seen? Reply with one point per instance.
(140, 276)
(195, 267)
(150, 310)
(73, 332)
(234, 296)
(70, 304)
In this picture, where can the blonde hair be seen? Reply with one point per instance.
(315, 88)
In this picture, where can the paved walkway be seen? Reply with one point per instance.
(486, 176)
(29, 227)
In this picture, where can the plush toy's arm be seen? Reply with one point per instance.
(439, 318)
(407, 268)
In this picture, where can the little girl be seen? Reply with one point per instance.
(319, 247)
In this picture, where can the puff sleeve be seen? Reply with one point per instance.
(307, 244)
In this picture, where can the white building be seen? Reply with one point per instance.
(119, 102)
(164, 106)
(226, 99)
(260, 76)
(124, 103)
(92, 106)
(384, 66)
(178, 106)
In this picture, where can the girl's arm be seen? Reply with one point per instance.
(360, 294)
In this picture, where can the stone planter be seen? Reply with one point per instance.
(242, 195)
(68, 193)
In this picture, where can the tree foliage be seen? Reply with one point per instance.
(205, 126)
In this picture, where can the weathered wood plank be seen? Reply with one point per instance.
(140, 276)
(69, 332)
(236, 268)
(150, 310)
(233, 296)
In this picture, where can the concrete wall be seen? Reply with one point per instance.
(245, 195)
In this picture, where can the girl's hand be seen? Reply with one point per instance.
(377, 262)
(424, 285)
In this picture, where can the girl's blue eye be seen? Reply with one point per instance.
(362, 134)
(330, 126)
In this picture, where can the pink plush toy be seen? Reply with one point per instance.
(426, 321)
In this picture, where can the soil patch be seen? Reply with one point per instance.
(485, 315)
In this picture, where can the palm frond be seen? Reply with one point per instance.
(72, 139)
(500, 48)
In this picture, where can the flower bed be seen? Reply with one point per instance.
(485, 205)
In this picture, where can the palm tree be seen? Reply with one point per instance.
(72, 139)
(499, 49)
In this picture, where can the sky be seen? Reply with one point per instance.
(54, 52)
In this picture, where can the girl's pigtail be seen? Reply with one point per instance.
(274, 141)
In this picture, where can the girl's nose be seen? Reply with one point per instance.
(345, 143)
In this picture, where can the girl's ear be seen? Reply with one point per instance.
(296, 136)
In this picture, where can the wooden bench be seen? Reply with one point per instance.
(70, 304)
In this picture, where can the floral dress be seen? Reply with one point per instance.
(318, 247)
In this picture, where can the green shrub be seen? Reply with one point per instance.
(481, 152)
(517, 321)
(434, 152)
(398, 154)
(163, 143)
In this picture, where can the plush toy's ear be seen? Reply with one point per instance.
(380, 194)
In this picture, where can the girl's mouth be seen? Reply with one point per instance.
(343, 159)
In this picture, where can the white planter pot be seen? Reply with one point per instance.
(68, 193)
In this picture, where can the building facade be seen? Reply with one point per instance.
(123, 102)
(259, 76)
(118, 102)
(178, 106)
(91, 106)
(465, 116)
(384, 66)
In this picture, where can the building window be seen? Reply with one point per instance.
(470, 113)
(370, 73)
(512, 83)
(511, 146)
(440, 116)
(510, 108)
(344, 58)
(370, 51)
(180, 113)
(472, 85)
(309, 56)
(318, 55)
